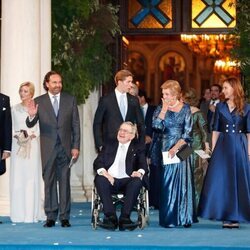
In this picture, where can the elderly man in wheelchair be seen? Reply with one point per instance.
(121, 166)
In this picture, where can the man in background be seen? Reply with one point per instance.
(215, 99)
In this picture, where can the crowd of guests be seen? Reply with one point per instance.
(132, 139)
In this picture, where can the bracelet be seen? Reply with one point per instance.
(163, 112)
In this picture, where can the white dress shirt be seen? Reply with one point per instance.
(144, 109)
(118, 168)
(52, 98)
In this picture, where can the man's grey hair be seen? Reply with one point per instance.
(133, 127)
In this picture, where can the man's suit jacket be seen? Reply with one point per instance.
(108, 118)
(66, 126)
(148, 120)
(135, 158)
(148, 124)
(5, 123)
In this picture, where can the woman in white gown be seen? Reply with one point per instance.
(26, 184)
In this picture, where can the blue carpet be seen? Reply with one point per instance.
(205, 235)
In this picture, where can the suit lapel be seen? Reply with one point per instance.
(130, 157)
(130, 100)
(49, 107)
(62, 106)
(111, 152)
(226, 113)
(115, 104)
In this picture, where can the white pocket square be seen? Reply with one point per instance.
(4, 108)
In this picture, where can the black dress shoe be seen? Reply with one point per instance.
(127, 224)
(230, 225)
(109, 222)
(187, 225)
(1, 222)
(65, 223)
(49, 223)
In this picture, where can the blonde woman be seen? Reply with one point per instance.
(26, 185)
(174, 119)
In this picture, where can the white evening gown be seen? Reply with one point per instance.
(26, 184)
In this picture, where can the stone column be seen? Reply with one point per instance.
(82, 173)
(25, 56)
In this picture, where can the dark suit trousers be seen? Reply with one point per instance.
(57, 170)
(130, 187)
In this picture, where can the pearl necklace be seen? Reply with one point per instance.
(175, 105)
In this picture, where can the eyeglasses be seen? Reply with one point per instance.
(125, 131)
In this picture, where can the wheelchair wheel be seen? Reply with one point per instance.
(95, 218)
(142, 221)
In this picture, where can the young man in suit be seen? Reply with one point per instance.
(115, 108)
(5, 129)
(58, 118)
(121, 167)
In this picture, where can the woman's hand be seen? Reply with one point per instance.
(32, 136)
(165, 105)
(172, 152)
(163, 109)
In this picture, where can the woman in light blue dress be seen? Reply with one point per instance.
(177, 198)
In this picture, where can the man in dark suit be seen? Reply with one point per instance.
(148, 111)
(5, 130)
(121, 167)
(59, 123)
(115, 108)
(215, 91)
(154, 177)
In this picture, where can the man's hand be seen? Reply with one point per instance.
(5, 155)
(212, 108)
(148, 139)
(75, 153)
(136, 174)
(32, 108)
(110, 178)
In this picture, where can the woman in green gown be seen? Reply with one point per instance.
(199, 141)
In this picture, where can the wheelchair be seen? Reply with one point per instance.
(141, 207)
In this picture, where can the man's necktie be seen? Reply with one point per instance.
(55, 105)
(122, 161)
(122, 106)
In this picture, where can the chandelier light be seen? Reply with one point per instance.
(215, 45)
(226, 66)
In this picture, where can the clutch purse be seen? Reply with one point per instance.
(184, 152)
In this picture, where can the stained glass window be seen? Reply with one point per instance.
(150, 14)
(213, 13)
